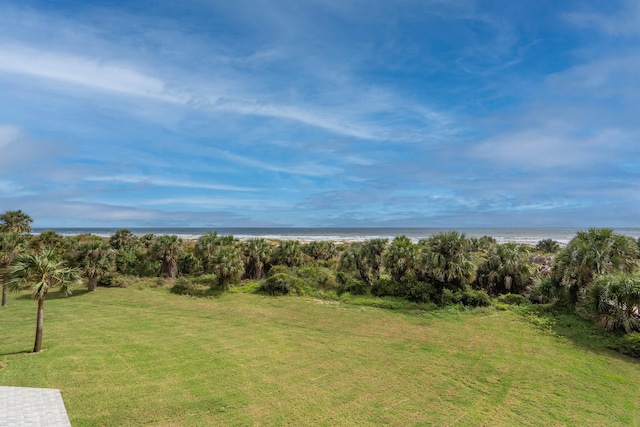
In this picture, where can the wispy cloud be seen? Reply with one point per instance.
(165, 182)
(83, 71)
(622, 22)
(218, 203)
(304, 168)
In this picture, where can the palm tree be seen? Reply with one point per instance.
(167, 249)
(446, 258)
(45, 272)
(373, 250)
(590, 254)
(207, 246)
(481, 244)
(354, 260)
(548, 246)
(16, 222)
(613, 300)
(289, 253)
(11, 245)
(228, 266)
(95, 259)
(50, 239)
(257, 253)
(506, 269)
(320, 250)
(123, 239)
(399, 258)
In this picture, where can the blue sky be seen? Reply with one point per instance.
(427, 113)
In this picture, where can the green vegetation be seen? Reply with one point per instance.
(43, 271)
(201, 330)
(151, 358)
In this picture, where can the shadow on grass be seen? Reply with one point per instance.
(13, 353)
(570, 325)
(57, 295)
(198, 292)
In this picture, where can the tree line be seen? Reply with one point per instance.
(596, 271)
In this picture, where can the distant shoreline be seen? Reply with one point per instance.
(345, 235)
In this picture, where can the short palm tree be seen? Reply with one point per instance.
(207, 246)
(354, 261)
(590, 254)
(227, 265)
(320, 250)
(373, 250)
(95, 259)
(446, 258)
(11, 245)
(289, 253)
(257, 253)
(167, 249)
(15, 222)
(613, 300)
(399, 258)
(506, 269)
(123, 239)
(43, 271)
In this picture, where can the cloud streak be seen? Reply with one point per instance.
(164, 182)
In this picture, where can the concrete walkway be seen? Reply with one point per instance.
(27, 407)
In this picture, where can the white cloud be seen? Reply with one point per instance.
(164, 182)
(219, 203)
(11, 189)
(83, 71)
(553, 146)
(304, 168)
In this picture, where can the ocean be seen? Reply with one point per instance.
(502, 235)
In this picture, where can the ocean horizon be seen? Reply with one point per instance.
(526, 235)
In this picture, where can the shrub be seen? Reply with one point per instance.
(246, 288)
(282, 283)
(385, 286)
(467, 297)
(279, 269)
(513, 299)
(317, 277)
(347, 283)
(189, 264)
(548, 290)
(112, 281)
(308, 273)
(417, 291)
(630, 345)
(183, 286)
(473, 298)
(205, 279)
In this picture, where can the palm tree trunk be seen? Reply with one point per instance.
(93, 284)
(39, 323)
(169, 268)
(4, 295)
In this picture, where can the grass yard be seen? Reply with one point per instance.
(146, 357)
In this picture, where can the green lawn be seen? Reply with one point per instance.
(146, 357)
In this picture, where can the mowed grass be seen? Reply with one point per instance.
(146, 357)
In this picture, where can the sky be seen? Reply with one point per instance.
(321, 113)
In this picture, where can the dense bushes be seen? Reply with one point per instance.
(468, 297)
(630, 345)
(613, 301)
